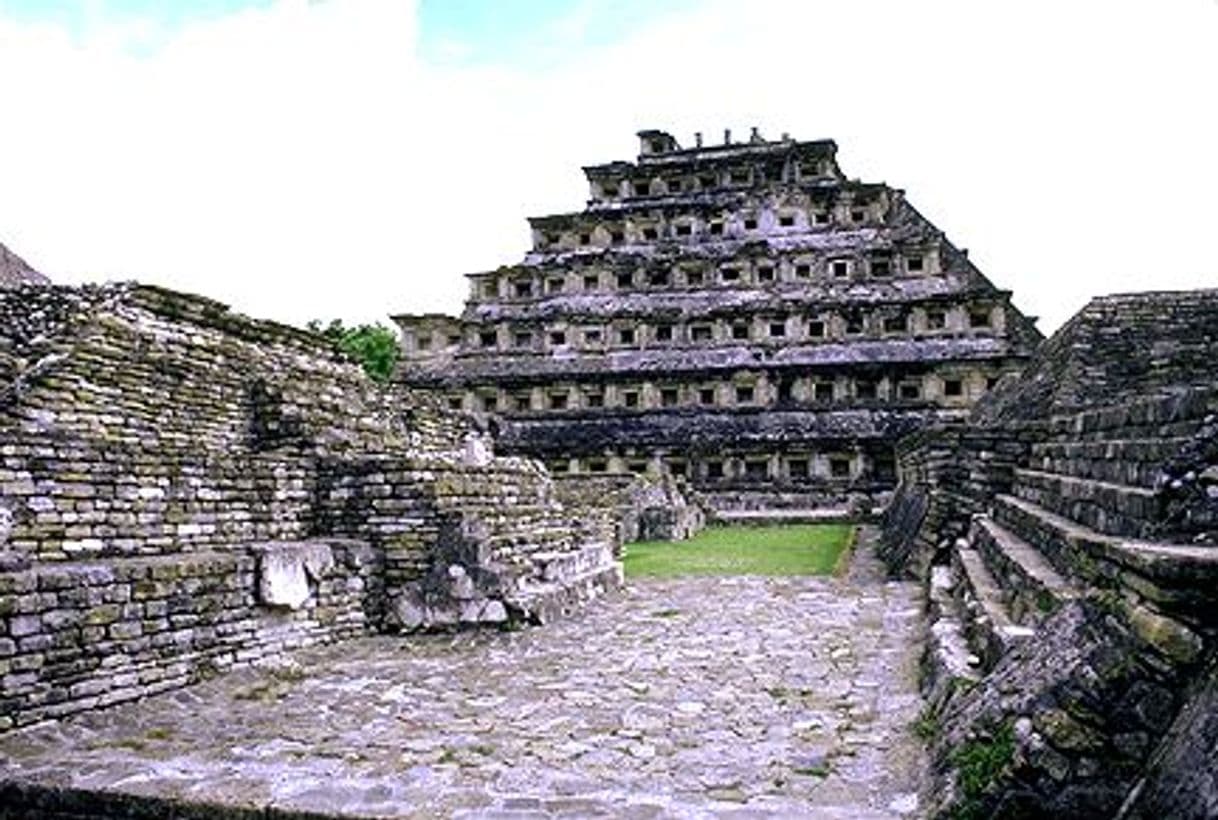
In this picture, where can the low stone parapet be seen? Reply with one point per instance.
(81, 636)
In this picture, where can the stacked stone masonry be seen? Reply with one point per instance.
(743, 315)
(1068, 537)
(184, 490)
(15, 271)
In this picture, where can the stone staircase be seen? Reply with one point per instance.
(1070, 533)
(508, 548)
(997, 590)
(1080, 515)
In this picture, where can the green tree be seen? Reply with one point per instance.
(373, 346)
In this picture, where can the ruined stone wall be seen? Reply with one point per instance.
(1067, 536)
(160, 423)
(183, 489)
(86, 635)
(1115, 348)
(638, 508)
(151, 485)
(467, 542)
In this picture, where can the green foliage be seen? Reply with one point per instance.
(805, 549)
(980, 762)
(373, 346)
(926, 726)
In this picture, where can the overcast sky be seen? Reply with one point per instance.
(354, 158)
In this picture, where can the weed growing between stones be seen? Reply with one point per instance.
(978, 764)
(926, 727)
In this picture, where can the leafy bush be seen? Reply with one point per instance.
(373, 346)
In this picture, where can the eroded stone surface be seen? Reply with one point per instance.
(738, 697)
(284, 572)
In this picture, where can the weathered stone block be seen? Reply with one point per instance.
(285, 572)
(20, 626)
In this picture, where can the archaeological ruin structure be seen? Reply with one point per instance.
(742, 314)
(184, 491)
(1068, 538)
(16, 271)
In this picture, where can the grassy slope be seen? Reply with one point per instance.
(809, 549)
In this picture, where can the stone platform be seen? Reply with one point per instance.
(739, 697)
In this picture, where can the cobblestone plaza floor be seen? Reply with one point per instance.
(738, 697)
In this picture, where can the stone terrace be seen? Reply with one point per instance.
(184, 490)
(1068, 538)
(793, 699)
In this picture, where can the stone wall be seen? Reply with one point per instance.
(639, 508)
(15, 271)
(83, 635)
(183, 489)
(1067, 537)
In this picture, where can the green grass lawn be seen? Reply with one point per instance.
(797, 549)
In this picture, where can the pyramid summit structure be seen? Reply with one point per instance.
(742, 314)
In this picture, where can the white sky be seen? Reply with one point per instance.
(304, 161)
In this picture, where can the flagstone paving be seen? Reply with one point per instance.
(737, 697)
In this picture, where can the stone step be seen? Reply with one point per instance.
(561, 565)
(1180, 413)
(546, 601)
(822, 515)
(1131, 461)
(1179, 577)
(947, 661)
(529, 541)
(1181, 428)
(1114, 509)
(490, 494)
(503, 524)
(1032, 587)
(987, 624)
(508, 511)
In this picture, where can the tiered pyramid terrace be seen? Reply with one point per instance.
(741, 314)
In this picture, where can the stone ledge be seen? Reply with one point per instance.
(1172, 575)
